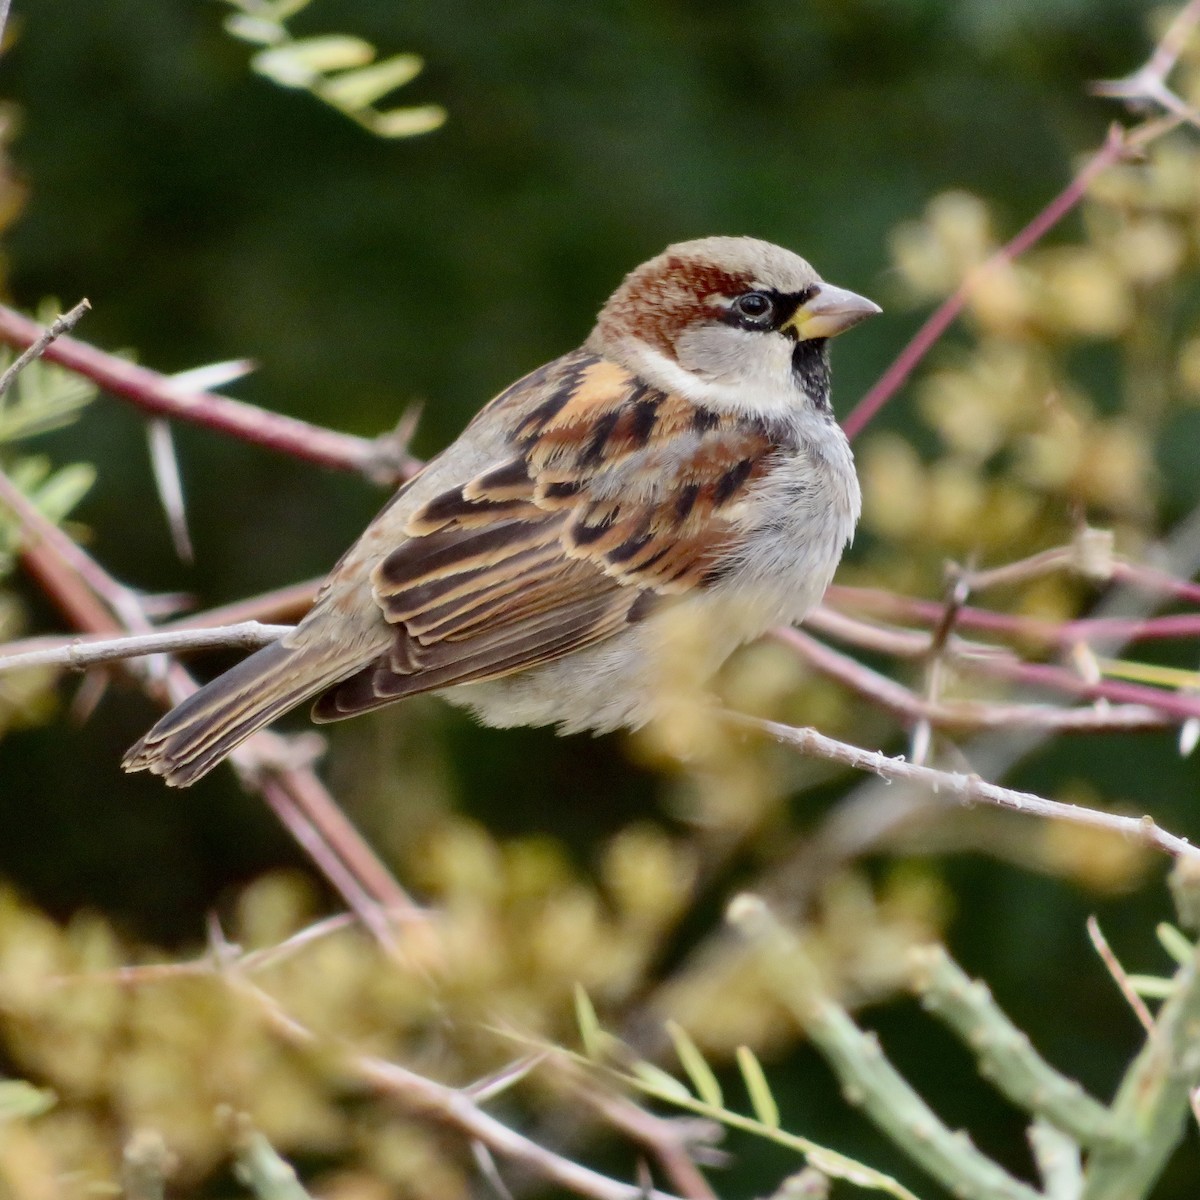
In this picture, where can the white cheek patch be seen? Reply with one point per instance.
(762, 384)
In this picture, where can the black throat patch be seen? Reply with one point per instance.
(810, 365)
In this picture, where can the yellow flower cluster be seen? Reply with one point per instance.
(1030, 434)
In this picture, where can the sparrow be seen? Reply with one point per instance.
(686, 457)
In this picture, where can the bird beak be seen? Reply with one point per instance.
(831, 311)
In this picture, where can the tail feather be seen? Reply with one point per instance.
(201, 731)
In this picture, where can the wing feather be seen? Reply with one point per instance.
(615, 493)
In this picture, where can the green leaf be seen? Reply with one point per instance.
(695, 1064)
(1153, 987)
(1175, 943)
(405, 122)
(255, 30)
(282, 10)
(765, 1108)
(19, 1099)
(590, 1032)
(839, 1166)
(301, 64)
(43, 397)
(64, 489)
(361, 88)
(658, 1083)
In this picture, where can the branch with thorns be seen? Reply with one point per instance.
(117, 629)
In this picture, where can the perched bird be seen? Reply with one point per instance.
(686, 455)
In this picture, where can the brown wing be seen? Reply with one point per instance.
(616, 493)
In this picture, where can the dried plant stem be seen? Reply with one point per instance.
(881, 603)
(138, 974)
(968, 789)
(1112, 964)
(60, 325)
(286, 602)
(659, 1136)
(1147, 84)
(382, 459)
(994, 661)
(1004, 1052)
(80, 653)
(453, 1107)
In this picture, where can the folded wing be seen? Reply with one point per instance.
(616, 494)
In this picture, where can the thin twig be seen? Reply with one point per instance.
(60, 325)
(968, 789)
(662, 1138)
(963, 715)
(1119, 976)
(293, 792)
(882, 603)
(1003, 664)
(893, 378)
(456, 1108)
(79, 653)
(248, 961)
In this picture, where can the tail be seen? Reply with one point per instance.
(200, 732)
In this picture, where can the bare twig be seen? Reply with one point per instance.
(280, 604)
(1000, 663)
(1151, 580)
(293, 792)
(882, 603)
(79, 653)
(1120, 978)
(60, 325)
(1147, 84)
(663, 1138)
(968, 789)
(138, 974)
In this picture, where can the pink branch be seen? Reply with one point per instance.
(1003, 664)
(965, 714)
(941, 319)
(295, 794)
(879, 602)
(155, 393)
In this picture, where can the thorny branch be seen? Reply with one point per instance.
(385, 460)
(97, 604)
(456, 1108)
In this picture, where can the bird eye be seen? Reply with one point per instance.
(755, 309)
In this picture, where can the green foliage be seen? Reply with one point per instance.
(339, 68)
(1069, 396)
(705, 1099)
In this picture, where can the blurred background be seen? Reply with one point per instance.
(209, 214)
